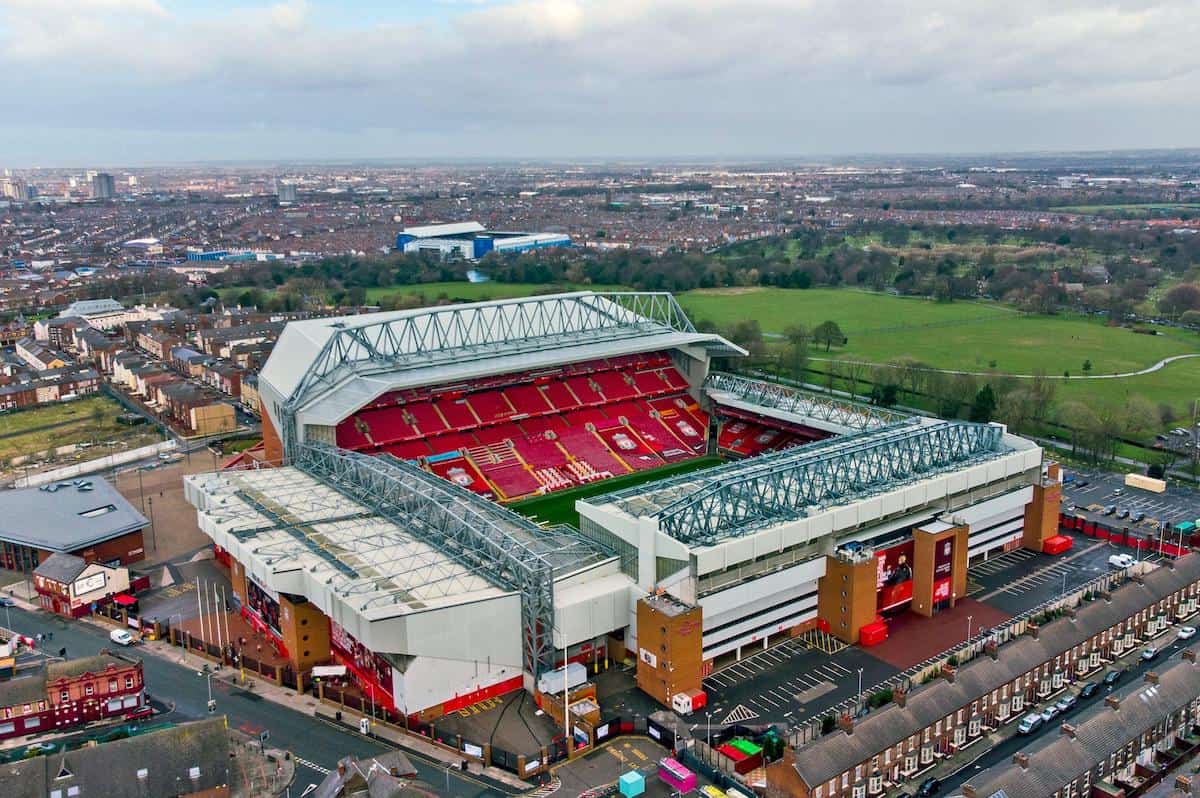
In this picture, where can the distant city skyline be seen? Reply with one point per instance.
(134, 82)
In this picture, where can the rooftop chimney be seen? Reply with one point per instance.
(1034, 630)
(948, 671)
(992, 648)
(1151, 677)
(1068, 730)
(1113, 702)
(1070, 612)
(846, 723)
(341, 768)
(900, 696)
(1021, 760)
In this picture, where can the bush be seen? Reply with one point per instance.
(827, 723)
(880, 698)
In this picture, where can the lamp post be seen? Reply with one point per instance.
(709, 728)
(969, 619)
(207, 674)
(859, 698)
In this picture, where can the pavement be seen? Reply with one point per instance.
(292, 720)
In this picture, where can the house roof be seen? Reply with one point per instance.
(61, 567)
(97, 663)
(66, 516)
(188, 757)
(24, 690)
(1100, 731)
(838, 752)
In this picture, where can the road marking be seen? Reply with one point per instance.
(312, 766)
(740, 714)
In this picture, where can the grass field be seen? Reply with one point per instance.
(91, 419)
(1144, 207)
(559, 508)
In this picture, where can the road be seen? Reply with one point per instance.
(1002, 753)
(316, 744)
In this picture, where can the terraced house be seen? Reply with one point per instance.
(903, 740)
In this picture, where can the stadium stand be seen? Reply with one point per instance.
(511, 436)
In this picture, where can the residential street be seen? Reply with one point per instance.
(316, 744)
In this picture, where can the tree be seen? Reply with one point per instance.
(1040, 395)
(1191, 318)
(1180, 299)
(884, 395)
(796, 354)
(1087, 366)
(984, 405)
(828, 333)
(854, 372)
(1141, 417)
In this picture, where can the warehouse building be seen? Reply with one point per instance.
(471, 240)
(84, 517)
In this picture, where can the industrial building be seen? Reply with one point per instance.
(471, 240)
(384, 539)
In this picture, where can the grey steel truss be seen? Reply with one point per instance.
(455, 334)
(491, 541)
(784, 485)
(842, 412)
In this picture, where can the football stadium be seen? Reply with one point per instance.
(381, 527)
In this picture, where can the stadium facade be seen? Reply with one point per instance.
(471, 240)
(382, 539)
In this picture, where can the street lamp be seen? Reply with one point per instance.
(207, 673)
(709, 728)
(859, 698)
(969, 619)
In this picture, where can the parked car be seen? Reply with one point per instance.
(1138, 517)
(121, 637)
(1112, 677)
(1030, 723)
(1186, 632)
(40, 748)
(1110, 509)
(1083, 484)
(1067, 703)
(1121, 561)
(1150, 653)
(1088, 690)
(140, 713)
(1123, 513)
(5, 601)
(928, 787)
(1050, 713)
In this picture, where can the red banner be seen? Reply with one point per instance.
(943, 569)
(893, 576)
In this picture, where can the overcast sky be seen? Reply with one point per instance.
(124, 82)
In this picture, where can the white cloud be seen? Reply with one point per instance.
(635, 68)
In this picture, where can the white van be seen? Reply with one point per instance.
(121, 637)
(1121, 561)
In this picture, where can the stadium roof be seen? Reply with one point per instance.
(66, 516)
(330, 367)
(391, 566)
(741, 497)
(797, 406)
(448, 229)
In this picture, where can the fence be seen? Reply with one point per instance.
(814, 727)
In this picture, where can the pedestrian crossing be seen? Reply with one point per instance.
(312, 766)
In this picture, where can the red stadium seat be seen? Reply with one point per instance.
(457, 413)
(583, 389)
(528, 400)
(426, 418)
(559, 396)
(513, 482)
(613, 385)
(490, 406)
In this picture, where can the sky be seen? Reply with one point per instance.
(132, 82)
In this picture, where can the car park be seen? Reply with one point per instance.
(1150, 653)
(1186, 632)
(1030, 723)
(1067, 703)
(1112, 677)
(928, 787)
(1088, 690)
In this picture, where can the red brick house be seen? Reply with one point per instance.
(71, 693)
